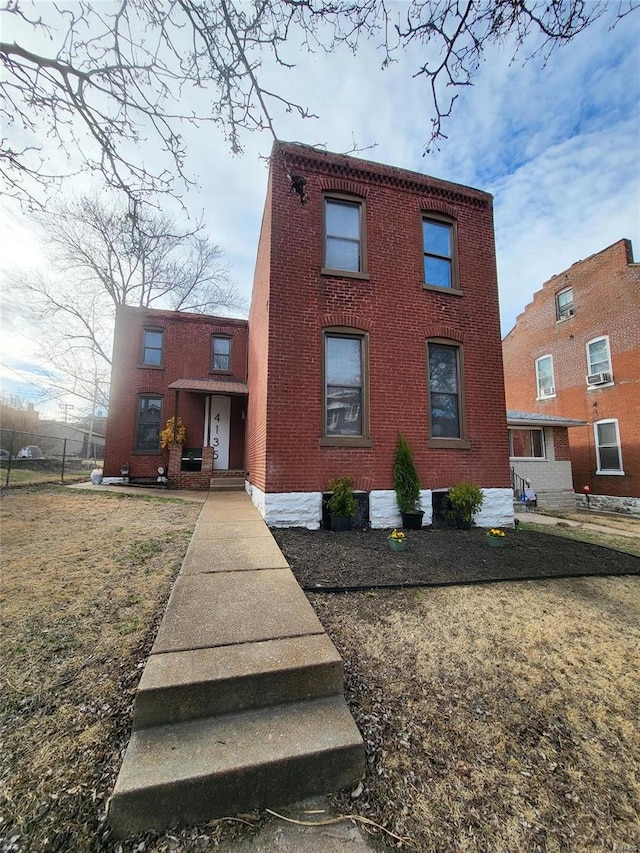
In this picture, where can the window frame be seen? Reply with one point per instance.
(529, 429)
(441, 219)
(461, 442)
(608, 472)
(539, 387)
(144, 347)
(565, 313)
(591, 372)
(360, 203)
(363, 440)
(221, 337)
(136, 438)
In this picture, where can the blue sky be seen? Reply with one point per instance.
(558, 148)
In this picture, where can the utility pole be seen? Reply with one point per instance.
(65, 408)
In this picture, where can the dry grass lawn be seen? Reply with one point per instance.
(496, 718)
(84, 578)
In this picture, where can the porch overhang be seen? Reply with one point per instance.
(534, 419)
(211, 386)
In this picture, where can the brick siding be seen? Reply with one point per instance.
(187, 354)
(606, 296)
(293, 301)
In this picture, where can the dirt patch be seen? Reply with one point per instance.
(362, 558)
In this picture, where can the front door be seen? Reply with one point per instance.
(217, 421)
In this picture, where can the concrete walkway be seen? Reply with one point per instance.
(241, 705)
(600, 527)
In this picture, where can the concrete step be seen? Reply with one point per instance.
(226, 484)
(188, 685)
(203, 769)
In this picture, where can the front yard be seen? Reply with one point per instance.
(496, 718)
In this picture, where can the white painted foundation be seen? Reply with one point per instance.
(304, 509)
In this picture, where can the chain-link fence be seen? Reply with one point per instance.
(27, 458)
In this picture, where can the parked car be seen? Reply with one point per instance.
(4, 454)
(31, 451)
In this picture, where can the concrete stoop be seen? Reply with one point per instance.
(240, 705)
(195, 771)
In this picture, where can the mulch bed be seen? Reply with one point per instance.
(321, 559)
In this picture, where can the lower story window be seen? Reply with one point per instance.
(345, 386)
(608, 449)
(526, 443)
(148, 424)
(445, 411)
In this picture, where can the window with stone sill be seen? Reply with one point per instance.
(152, 354)
(148, 424)
(344, 235)
(439, 245)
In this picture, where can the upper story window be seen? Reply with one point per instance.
(221, 353)
(345, 388)
(564, 304)
(152, 347)
(344, 238)
(446, 410)
(544, 376)
(526, 443)
(439, 245)
(608, 450)
(148, 421)
(599, 362)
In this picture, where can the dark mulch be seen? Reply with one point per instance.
(321, 559)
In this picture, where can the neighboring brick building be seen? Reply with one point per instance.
(374, 311)
(167, 363)
(575, 352)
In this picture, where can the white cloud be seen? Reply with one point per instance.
(557, 147)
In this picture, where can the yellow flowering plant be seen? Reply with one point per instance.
(499, 534)
(167, 434)
(398, 535)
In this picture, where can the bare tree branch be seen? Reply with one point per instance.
(105, 256)
(98, 79)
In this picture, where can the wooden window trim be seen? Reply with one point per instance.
(150, 396)
(434, 216)
(217, 371)
(462, 442)
(539, 395)
(559, 318)
(608, 472)
(141, 362)
(363, 272)
(363, 440)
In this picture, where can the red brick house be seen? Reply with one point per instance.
(167, 363)
(374, 311)
(575, 352)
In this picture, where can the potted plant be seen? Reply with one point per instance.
(464, 501)
(342, 504)
(496, 537)
(407, 486)
(397, 540)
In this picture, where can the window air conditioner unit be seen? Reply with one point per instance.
(547, 392)
(598, 378)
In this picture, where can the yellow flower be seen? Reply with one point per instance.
(397, 534)
(496, 532)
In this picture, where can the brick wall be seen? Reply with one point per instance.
(293, 301)
(606, 294)
(187, 354)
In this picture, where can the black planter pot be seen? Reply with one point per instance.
(412, 520)
(463, 524)
(340, 523)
